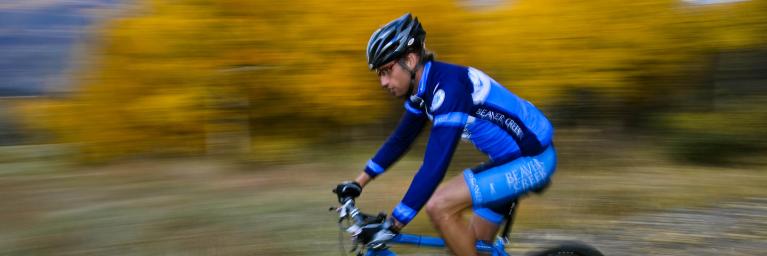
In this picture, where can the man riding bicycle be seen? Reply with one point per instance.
(460, 102)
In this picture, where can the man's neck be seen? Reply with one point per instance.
(418, 75)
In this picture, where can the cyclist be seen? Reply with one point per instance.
(460, 102)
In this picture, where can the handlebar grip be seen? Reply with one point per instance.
(346, 199)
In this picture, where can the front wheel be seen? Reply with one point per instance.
(569, 249)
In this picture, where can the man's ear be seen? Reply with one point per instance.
(412, 59)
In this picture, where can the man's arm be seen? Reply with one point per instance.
(439, 151)
(399, 141)
(410, 125)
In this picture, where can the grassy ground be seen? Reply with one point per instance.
(208, 206)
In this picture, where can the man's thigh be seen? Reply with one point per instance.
(452, 195)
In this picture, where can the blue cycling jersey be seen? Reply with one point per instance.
(461, 102)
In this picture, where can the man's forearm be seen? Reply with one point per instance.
(363, 179)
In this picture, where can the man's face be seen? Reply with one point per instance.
(394, 78)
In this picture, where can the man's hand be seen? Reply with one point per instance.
(347, 189)
(377, 234)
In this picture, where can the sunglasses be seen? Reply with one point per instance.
(385, 70)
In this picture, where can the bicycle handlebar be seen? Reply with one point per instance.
(349, 211)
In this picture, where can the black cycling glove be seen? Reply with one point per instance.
(347, 189)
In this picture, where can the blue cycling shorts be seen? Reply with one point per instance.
(494, 188)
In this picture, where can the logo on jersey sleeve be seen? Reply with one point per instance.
(482, 83)
(437, 100)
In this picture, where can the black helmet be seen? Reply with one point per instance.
(394, 39)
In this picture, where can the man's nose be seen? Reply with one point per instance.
(384, 81)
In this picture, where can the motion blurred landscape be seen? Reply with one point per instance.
(219, 127)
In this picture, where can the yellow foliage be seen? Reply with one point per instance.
(173, 71)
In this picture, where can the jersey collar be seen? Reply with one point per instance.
(424, 76)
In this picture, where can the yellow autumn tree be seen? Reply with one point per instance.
(192, 77)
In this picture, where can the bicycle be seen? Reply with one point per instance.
(351, 214)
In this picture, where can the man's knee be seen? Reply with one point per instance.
(448, 201)
(435, 207)
(441, 208)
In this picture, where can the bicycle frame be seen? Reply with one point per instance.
(350, 212)
(352, 215)
(429, 241)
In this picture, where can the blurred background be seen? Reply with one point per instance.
(218, 127)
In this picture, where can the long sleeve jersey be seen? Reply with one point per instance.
(460, 102)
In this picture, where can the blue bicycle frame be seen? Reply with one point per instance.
(350, 212)
(429, 241)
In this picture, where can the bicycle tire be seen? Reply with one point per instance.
(569, 249)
